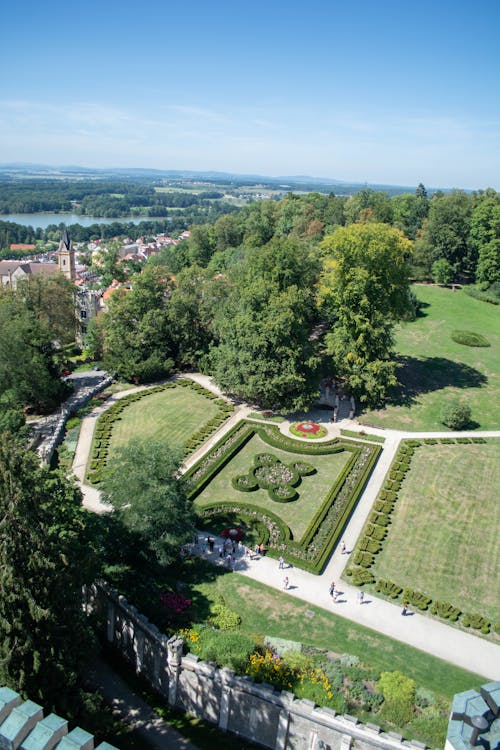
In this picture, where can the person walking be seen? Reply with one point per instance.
(286, 583)
(331, 590)
(343, 548)
(405, 609)
(281, 561)
(361, 597)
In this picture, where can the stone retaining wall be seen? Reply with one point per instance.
(47, 436)
(236, 704)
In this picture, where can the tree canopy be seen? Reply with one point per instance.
(144, 488)
(365, 290)
(46, 556)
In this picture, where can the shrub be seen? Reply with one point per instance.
(388, 588)
(225, 648)
(424, 697)
(349, 660)
(470, 620)
(381, 519)
(456, 415)
(360, 576)
(224, 618)
(364, 559)
(416, 599)
(473, 291)
(445, 610)
(399, 697)
(469, 338)
(366, 544)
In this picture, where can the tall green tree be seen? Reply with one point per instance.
(137, 336)
(368, 206)
(149, 498)
(191, 310)
(446, 231)
(364, 291)
(484, 238)
(45, 558)
(29, 371)
(265, 353)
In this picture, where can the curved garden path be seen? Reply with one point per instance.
(423, 632)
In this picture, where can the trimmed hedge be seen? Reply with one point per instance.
(469, 338)
(473, 291)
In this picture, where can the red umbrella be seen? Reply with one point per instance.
(233, 532)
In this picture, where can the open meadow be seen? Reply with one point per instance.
(434, 369)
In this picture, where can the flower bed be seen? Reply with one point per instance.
(309, 430)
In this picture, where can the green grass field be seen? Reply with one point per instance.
(434, 369)
(171, 416)
(265, 611)
(312, 490)
(443, 539)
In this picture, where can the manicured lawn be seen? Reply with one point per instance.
(443, 539)
(312, 489)
(435, 369)
(172, 415)
(265, 611)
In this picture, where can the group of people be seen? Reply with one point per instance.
(332, 392)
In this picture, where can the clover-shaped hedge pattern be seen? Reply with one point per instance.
(271, 474)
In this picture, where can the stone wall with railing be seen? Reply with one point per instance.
(237, 704)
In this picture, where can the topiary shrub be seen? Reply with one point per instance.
(360, 576)
(471, 620)
(399, 697)
(456, 415)
(364, 559)
(469, 338)
(445, 610)
(388, 588)
(417, 599)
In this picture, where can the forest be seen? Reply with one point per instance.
(271, 298)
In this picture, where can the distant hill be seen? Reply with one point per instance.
(302, 183)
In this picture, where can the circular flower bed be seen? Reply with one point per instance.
(309, 430)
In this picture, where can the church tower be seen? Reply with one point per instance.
(66, 257)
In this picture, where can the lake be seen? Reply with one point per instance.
(43, 220)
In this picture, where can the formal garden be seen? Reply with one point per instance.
(182, 413)
(293, 496)
(432, 537)
(451, 351)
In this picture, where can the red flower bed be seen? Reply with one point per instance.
(176, 602)
(310, 428)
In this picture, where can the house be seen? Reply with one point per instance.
(14, 271)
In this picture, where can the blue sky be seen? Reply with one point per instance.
(367, 90)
